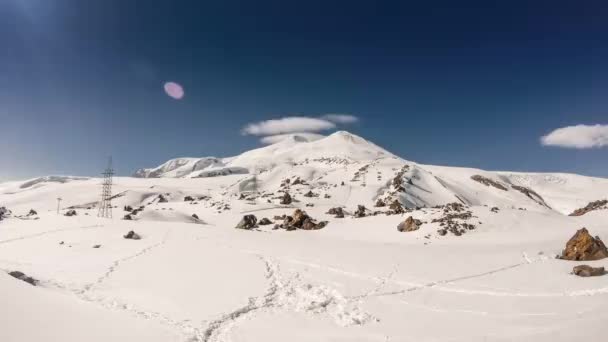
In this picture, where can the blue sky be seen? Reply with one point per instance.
(464, 83)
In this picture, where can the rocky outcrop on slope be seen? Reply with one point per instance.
(409, 225)
(595, 205)
(454, 219)
(588, 271)
(301, 220)
(583, 246)
(531, 194)
(380, 203)
(488, 182)
(396, 208)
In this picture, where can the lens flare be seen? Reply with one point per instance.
(174, 90)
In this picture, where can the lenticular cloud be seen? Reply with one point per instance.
(174, 90)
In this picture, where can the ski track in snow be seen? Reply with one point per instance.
(117, 263)
(48, 232)
(291, 295)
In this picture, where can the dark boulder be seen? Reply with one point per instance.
(188, 199)
(286, 199)
(131, 235)
(71, 212)
(23, 277)
(380, 203)
(360, 212)
(338, 212)
(265, 221)
(248, 222)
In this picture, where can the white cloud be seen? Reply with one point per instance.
(579, 136)
(291, 124)
(273, 139)
(340, 118)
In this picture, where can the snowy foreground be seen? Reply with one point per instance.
(357, 279)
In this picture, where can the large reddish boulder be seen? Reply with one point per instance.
(583, 246)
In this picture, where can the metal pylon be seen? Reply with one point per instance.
(105, 205)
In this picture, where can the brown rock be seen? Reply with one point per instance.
(588, 271)
(583, 246)
(409, 225)
(380, 203)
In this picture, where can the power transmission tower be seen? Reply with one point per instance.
(105, 205)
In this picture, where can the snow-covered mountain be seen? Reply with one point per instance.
(383, 249)
(343, 156)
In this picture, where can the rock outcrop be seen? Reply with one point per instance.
(380, 203)
(488, 182)
(583, 246)
(595, 205)
(301, 220)
(396, 208)
(409, 225)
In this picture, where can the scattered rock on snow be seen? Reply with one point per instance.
(132, 236)
(409, 225)
(337, 211)
(248, 222)
(361, 211)
(301, 220)
(96, 246)
(188, 199)
(286, 199)
(583, 246)
(588, 271)
(194, 216)
(380, 203)
(22, 276)
(396, 207)
(265, 221)
(71, 212)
